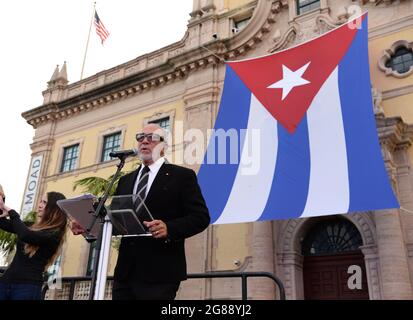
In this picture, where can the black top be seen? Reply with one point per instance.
(24, 269)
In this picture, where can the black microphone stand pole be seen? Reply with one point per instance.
(100, 213)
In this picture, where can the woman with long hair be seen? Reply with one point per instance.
(37, 247)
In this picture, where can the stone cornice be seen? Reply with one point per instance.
(397, 92)
(89, 169)
(45, 143)
(391, 27)
(395, 133)
(160, 67)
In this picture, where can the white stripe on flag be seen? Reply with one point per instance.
(329, 183)
(249, 193)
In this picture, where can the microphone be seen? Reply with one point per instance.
(122, 154)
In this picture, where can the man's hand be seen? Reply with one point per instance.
(157, 228)
(76, 228)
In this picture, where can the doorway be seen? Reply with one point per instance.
(329, 249)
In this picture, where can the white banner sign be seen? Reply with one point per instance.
(32, 183)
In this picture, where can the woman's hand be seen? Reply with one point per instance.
(4, 210)
(76, 228)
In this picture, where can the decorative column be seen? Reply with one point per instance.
(371, 257)
(393, 260)
(262, 261)
(208, 6)
(395, 278)
(196, 10)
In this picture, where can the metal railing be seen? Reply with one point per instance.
(244, 276)
(72, 281)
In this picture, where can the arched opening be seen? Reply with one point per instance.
(334, 266)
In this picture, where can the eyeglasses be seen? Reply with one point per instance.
(150, 136)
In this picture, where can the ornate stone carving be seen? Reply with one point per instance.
(325, 22)
(377, 102)
(285, 40)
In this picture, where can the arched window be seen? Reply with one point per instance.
(401, 60)
(331, 237)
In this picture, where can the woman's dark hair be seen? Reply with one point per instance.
(53, 219)
(53, 216)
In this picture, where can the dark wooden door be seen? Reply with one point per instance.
(325, 277)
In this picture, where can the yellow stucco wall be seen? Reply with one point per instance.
(400, 106)
(232, 245)
(90, 137)
(75, 249)
(376, 48)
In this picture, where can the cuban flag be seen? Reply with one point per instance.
(301, 139)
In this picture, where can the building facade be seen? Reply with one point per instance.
(179, 86)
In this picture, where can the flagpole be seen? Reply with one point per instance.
(87, 43)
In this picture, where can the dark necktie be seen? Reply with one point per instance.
(141, 190)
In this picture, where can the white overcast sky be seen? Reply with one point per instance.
(38, 35)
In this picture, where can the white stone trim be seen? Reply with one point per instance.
(290, 260)
(387, 55)
(158, 115)
(371, 258)
(64, 145)
(392, 26)
(397, 92)
(101, 139)
(293, 10)
(128, 111)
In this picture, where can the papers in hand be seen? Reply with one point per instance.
(80, 209)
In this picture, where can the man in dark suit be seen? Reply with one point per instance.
(153, 267)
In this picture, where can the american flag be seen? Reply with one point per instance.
(100, 28)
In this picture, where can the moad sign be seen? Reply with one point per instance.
(32, 185)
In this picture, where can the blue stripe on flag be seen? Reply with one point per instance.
(289, 189)
(215, 179)
(369, 183)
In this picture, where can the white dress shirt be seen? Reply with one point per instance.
(153, 171)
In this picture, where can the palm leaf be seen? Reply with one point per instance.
(97, 185)
(94, 185)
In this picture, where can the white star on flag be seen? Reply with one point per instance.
(290, 80)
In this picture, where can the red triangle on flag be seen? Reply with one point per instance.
(287, 82)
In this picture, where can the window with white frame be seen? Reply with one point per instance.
(111, 143)
(70, 157)
(304, 6)
(164, 123)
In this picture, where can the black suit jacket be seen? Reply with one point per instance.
(176, 199)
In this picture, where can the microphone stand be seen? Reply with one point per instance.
(100, 213)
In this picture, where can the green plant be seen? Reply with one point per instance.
(8, 240)
(96, 185)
